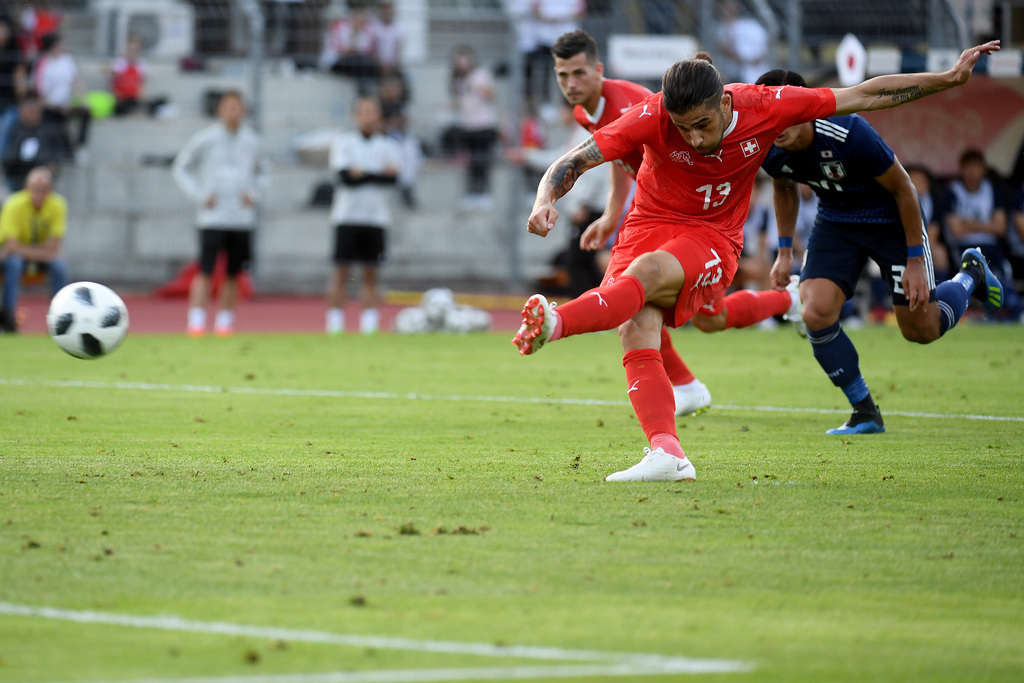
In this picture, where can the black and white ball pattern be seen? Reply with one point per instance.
(87, 319)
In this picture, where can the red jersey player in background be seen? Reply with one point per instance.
(703, 144)
(600, 101)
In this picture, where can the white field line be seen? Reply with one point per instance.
(496, 673)
(605, 663)
(391, 396)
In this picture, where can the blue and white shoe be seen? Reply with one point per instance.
(861, 423)
(989, 292)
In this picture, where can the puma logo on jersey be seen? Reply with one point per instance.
(633, 388)
(645, 112)
(600, 299)
(778, 93)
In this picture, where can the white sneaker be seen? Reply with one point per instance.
(369, 321)
(692, 399)
(795, 314)
(657, 465)
(538, 325)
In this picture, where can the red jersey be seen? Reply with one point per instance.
(676, 185)
(616, 99)
(128, 79)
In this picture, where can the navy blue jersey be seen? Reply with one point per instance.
(841, 166)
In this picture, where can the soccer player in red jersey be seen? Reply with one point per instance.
(600, 101)
(703, 144)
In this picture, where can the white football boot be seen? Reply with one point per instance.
(657, 465)
(538, 325)
(692, 399)
(796, 309)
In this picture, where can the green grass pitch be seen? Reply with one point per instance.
(421, 489)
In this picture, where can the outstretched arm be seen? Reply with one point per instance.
(559, 179)
(885, 92)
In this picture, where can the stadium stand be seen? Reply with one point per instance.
(136, 227)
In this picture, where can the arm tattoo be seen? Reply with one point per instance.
(589, 151)
(564, 174)
(562, 177)
(907, 94)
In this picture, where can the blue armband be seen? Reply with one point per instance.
(915, 251)
(785, 243)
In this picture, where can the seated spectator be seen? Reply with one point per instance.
(13, 79)
(975, 217)
(128, 81)
(32, 142)
(37, 20)
(58, 82)
(350, 50)
(475, 126)
(31, 229)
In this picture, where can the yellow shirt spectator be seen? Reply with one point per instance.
(21, 221)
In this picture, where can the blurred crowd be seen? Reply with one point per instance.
(46, 113)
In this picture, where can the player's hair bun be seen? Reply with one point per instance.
(704, 56)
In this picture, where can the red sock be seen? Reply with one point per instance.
(746, 307)
(601, 308)
(676, 369)
(650, 392)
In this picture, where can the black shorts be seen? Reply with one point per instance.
(237, 244)
(358, 244)
(839, 251)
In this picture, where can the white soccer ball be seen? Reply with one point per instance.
(86, 319)
(436, 303)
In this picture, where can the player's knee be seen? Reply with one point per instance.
(920, 334)
(819, 319)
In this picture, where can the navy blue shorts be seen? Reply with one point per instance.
(838, 252)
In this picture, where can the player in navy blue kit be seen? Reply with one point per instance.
(868, 208)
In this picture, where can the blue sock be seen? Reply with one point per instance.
(953, 296)
(837, 356)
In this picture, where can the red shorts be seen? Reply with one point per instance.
(709, 260)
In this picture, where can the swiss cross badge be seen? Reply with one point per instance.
(750, 147)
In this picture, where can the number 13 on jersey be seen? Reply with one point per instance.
(720, 193)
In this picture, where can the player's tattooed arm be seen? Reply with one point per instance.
(885, 92)
(559, 179)
(564, 173)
